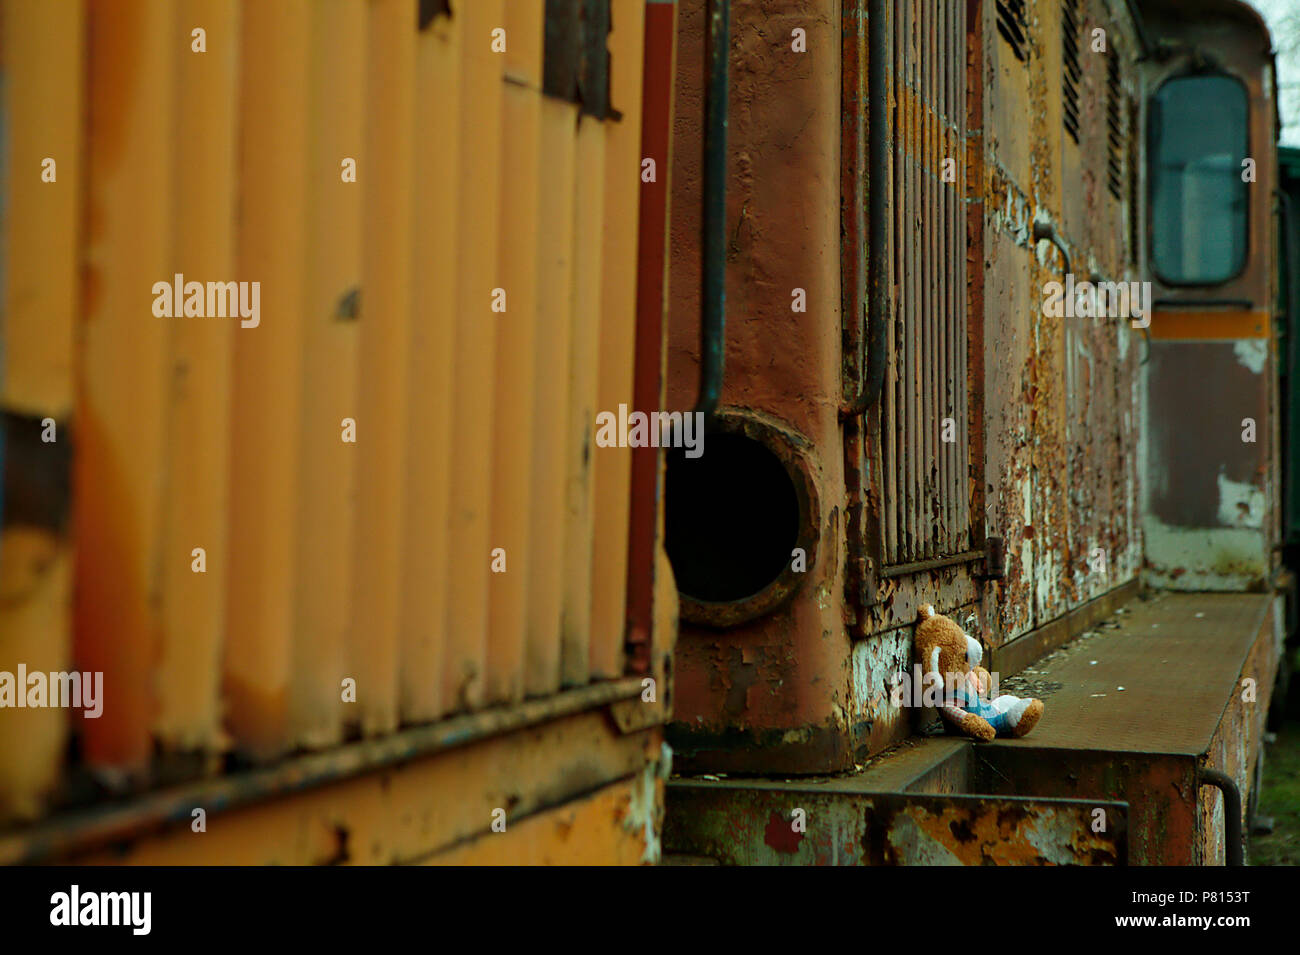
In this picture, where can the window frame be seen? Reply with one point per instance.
(1247, 220)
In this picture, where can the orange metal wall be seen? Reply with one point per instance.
(42, 54)
(468, 302)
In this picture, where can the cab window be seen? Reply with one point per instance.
(1198, 198)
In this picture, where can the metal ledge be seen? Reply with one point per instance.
(81, 830)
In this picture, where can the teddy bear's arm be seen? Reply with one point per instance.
(973, 726)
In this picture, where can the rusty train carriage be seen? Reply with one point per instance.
(1076, 475)
(1046, 410)
(476, 170)
(900, 422)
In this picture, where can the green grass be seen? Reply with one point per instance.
(1280, 798)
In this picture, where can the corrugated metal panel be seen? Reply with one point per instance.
(613, 466)
(385, 335)
(198, 429)
(473, 339)
(267, 399)
(927, 506)
(118, 483)
(44, 88)
(580, 446)
(434, 300)
(550, 405)
(324, 559)
(516, 357)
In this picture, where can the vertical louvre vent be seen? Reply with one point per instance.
(1114, 127)
(1134, 212)
(1071, 71)
(925, 473)
(1013, 26)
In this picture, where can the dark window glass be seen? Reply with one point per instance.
(1198, 198)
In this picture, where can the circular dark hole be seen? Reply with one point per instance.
(731, 518)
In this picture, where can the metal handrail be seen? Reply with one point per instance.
(1233, 847)
(713, 304)
(877, 175)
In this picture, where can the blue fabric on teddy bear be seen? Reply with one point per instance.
(999, 719)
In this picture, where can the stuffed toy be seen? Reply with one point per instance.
(944, 648)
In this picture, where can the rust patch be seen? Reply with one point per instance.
(780, 834)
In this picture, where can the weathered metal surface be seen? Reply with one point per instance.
(770, 694)
(1160, 790)
(1174, 653)
(859, 292)
(1010, 658)
(1211, 514)
(1208, 516)
(612, 470)
(1046, 406)
(325, 549)
(1238, 744)
(515, 368)
(1102, 737)
(617, 825)
(44, 95)
(119, 467)
(794, 825)
(648, 384)
(1052, 401)
(922, 764)
(349, 583)
(1099, 741)
(537, 753)
(923, 422)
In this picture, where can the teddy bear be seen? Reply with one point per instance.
(943, 648)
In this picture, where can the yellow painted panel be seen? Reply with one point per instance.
(407, 813)
(474, 341)
(44, 47)
(43, 50)
(266, 410)
(580, 444)
(612, 467)
(119, 469)
(427, 548)
(385, 334)
(551, 402)
(326, 496)
(35, 627)
(513, 438)
(198, 432)
(597, 830)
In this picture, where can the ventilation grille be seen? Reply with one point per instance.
(1014, 27)
(925, 453)
(1072, 72)
(1114, 127)
(1134, 212)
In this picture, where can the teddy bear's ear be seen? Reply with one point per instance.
(926, 611)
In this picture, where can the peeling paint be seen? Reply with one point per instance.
(1204, 558)
(1240, 504)
(1252, 353)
